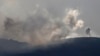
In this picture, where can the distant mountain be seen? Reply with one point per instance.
(83, 46)
(11, 46)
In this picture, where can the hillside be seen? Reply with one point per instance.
(11, 46)
(84, 46)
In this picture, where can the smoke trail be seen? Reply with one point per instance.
(39, 27)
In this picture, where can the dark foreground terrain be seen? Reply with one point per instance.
(84, 46)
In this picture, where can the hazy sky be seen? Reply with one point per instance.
(89, 9)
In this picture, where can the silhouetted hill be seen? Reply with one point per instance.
(84, 46)
(11, 46)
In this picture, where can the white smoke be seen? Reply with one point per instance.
(72, 20)
(38, 27)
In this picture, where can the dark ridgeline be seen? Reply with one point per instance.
(84, 46)
(11, 46)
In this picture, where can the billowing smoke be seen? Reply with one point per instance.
(73, 23)
(72, 20)
(38, 27)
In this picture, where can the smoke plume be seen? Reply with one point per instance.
(38, 27)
